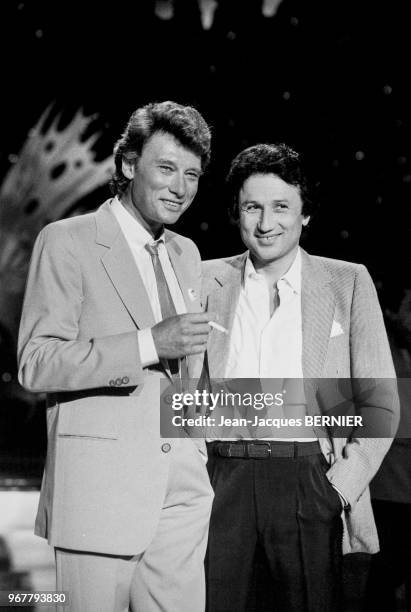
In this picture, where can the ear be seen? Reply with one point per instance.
(128, 167)
(305, 221)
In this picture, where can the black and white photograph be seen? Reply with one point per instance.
(205, 306)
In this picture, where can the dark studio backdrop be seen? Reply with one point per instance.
(328, 77)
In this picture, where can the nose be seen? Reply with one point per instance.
(178, 185)
(266, 221)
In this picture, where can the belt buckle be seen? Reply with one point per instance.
(267, 448)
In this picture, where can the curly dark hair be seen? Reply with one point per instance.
(183, 122)
(278, 159)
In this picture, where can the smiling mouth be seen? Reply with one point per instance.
(172, 205)
(268, 239)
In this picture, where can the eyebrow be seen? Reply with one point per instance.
(279, 201)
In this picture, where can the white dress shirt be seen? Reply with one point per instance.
(261, 345)
(137, 237)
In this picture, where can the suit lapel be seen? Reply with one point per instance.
(182, 267)
(120, 266)
(318, 305)
(183, 270)
(223, 301)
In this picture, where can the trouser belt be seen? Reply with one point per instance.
(262, 449)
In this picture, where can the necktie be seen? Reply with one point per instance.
(166, 301)
(274, 299)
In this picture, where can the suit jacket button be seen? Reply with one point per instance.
(125, 380)
(112, 383)
(118, 382)
(166, 447)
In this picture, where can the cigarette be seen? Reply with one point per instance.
(219, 327)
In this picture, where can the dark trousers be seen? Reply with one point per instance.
(275, 540)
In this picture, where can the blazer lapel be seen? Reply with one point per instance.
(120, 266)
(223, 302)
(182, 267)
(318, 306)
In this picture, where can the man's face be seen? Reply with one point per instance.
(164, 181)
(270, 219)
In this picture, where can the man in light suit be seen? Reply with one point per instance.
(111, 307)
(300, 499)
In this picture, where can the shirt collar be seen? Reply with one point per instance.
(135, 234)
(292, 277)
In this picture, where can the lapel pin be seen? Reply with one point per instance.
(192, 294)
(336, 329)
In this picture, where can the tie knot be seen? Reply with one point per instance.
(153, 248)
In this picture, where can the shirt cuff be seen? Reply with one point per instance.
(148, 352)
(344, 501)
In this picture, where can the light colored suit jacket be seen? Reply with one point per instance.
(105, 474)
(343, 337)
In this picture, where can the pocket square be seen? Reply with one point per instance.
(336, 329)
(192, 295)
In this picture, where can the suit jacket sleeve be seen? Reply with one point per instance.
(51, 355)
(372, 368)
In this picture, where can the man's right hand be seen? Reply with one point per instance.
(182, 335)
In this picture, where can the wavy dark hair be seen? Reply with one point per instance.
(183, 122)
(278, 159)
